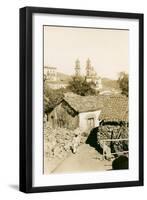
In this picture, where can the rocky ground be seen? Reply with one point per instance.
(58, 144)
(59, 156)
(87, 159)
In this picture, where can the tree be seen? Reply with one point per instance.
(123, 83)
(81, 87)
(51, 97)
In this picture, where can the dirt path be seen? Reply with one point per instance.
(86, 159)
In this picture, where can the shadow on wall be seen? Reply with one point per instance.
(92, 140)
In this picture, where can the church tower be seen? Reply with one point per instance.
(88, 67)
(77, 68)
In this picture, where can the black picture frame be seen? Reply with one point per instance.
(26, 92)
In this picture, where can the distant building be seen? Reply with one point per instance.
(77, 68)
(91, 76)
(52, 80)
(57, 84)
(50, 73)
(110, 92)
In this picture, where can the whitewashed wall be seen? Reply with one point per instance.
(83, 117)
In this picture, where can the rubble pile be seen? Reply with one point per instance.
(60, 141)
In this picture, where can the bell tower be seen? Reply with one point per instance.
(77, 68)
(88, 67)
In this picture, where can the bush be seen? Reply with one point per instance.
(81, 87)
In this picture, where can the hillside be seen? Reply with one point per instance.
(63, 77)
(109, 84)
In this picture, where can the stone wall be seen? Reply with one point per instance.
(113, 131)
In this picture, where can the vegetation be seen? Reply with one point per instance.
(123, 83)
(79, 86)
(51, 97)
(109, 84)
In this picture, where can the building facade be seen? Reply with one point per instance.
(91, 75)
(77, 68)
(76, 112)
(50, 73)
(52, 79)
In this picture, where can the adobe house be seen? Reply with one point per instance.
(76, 112)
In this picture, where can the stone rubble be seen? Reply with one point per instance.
(59, 142)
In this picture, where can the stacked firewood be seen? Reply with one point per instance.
(113, 132)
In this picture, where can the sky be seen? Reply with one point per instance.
(107, 49)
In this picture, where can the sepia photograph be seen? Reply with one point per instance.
(81, 99)
(85, 99)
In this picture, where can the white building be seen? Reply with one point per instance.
(50, 73)
(91, 76)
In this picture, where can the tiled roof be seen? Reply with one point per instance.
(115, 108)
(84, 103)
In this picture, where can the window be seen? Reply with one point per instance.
(90, 122)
